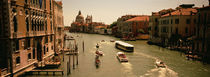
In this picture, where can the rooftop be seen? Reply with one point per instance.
(139, 18)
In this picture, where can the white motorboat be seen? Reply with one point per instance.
(160, 64)
(122, 57)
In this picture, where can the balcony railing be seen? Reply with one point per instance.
(4, 72)
(17, 34)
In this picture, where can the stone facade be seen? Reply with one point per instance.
(27, 34)
(202, 40)
(59, 26)
(167, 26)
(133, 26)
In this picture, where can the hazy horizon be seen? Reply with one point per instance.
(108, 11)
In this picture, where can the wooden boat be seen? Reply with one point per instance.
(97, 61)
(100, 53)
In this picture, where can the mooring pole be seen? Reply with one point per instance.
(83, 45)
(73, 59)
(77, 53)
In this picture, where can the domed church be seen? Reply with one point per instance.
(80, 18)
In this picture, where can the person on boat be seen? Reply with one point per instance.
(97, 46)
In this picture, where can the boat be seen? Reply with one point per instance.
(97, 46)
(100, 53)
(111, 40)
(124, 46)
(121, 57)
(97, 61)
(160, 64)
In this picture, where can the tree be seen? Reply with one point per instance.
(113, 24)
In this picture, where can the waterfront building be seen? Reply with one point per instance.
(171, 25)
(133, 27)
(26, 35)
(201, 46)
(177, 24)
(153, 28)
(58, 26)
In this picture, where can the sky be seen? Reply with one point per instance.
(108, 11)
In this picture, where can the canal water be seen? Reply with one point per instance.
(141, 62)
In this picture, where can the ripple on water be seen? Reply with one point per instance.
(160, 72)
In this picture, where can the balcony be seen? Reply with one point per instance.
(34, 33)
(17, 35)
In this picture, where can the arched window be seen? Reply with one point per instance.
(27, 25)
(45, 25)
(15, 24)
(32, 25)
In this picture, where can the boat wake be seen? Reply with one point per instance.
(160, 72)
(128, 69)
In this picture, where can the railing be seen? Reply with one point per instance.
(17, 34)
(3, 72)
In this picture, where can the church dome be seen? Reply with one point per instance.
(80, 18)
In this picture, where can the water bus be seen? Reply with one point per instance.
(124, 46)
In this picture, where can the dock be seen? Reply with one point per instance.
(38, 71)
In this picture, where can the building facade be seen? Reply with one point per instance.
(58, 26)
(134, 27)
(171, 25)
(27, 35)
(179, 23)
(201, 46)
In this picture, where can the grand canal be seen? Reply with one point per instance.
(141, 61)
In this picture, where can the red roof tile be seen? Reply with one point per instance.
(140, 18)
(182, 11)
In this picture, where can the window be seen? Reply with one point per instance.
(33, 53)
(164, 29)
(46, 39)
(195, 21)
(18, 60)
(186, 30)
(171, 21)
(51, 38)
(156, 20)
(32, 25)
(45, 25)
(28, 43)
(187, 21)
(27, 25)
(26, 1)
(29, 56)
(176, 21)
(17, 45)
(25, 44)
(44, 50)
(15, 24)
(52, 47)
(176, 30)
